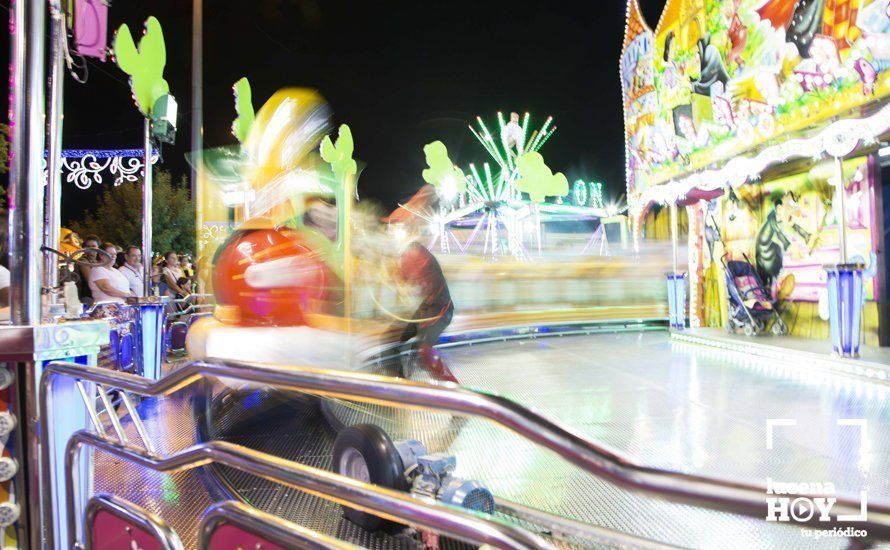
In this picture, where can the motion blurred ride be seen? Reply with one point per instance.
(270, 276)
(309, 278)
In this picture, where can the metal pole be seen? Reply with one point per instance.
(26, 155)
(197, 89)
(146, 213)
(841, 208)
(53, 201)
(675, 238)
(27, 133)
(198, 124)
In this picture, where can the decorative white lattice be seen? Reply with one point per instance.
(83, 168)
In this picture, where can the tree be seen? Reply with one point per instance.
(118, 215)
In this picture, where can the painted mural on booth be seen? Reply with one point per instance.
(717, 77)
(787, 228)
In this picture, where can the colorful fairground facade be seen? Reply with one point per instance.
(741, 116)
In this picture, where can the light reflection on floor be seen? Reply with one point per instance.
(680, 407)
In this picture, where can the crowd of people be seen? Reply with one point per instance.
(118, 274)
(112, 275)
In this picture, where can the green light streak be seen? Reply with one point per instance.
(525, 120)
(536, 143)
(488, 180)
(493, 149)
(485, 140)
(507, 155)
(543, 141)
(477, 184)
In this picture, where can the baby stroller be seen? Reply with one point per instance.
(750, 306)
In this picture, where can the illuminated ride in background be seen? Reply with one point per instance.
(501, 204)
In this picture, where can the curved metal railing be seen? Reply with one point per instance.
(708, 492)
(386, 503)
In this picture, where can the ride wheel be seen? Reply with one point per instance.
(364, 452)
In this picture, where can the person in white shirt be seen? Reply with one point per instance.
(108, 284)
(132, 270)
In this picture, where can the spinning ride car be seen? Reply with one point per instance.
(283, 279)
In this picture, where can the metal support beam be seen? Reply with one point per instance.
(53, 202)
(146, 212)
(840, 211)
(26, 156)
(675, 237)
(198, 122)
(197, 90)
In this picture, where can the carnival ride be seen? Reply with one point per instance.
(484, 213)
(574, 419)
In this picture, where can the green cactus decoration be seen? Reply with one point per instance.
(244, 107)
(442, 173)
(339, 155)
(144, 64)
(536, 179)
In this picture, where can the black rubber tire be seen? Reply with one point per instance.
(385, 469)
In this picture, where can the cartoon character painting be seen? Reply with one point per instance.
(751, 70)
(801, 19)
(712, 68)
(775, 236)
(738, 34)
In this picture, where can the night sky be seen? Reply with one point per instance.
(400, 73)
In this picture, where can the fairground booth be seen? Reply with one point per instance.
(759, 125)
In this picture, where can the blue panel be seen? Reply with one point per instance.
(845, 309)
(151, 333)
(67, 415)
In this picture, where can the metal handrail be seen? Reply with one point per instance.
(190, 308)
(386, 503)
(705, 491)
(266, 525)
(191, 299)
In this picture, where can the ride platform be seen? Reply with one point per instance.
(656, 398)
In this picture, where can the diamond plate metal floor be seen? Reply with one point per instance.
(180, 498)
(670, 405)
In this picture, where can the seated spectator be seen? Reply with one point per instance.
(114, 251)
(108, 285)
(187, 270)
(84, 290)
(157, 278)
(173, 277)
(132, 270)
